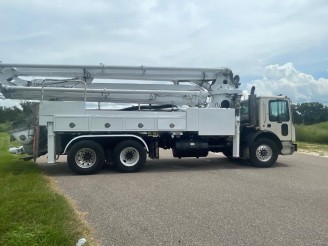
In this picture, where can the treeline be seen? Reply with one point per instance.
(309, 113)
(15, 113)
(9, 114)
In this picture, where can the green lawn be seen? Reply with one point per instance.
(31, 212)
(313, 138)
(317, 133)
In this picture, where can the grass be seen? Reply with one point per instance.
(313, 138)
(319, 149)
(4, 127)
(317, 134)
(31, 212)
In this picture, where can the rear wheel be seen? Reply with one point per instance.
(86, 157)
(129, 156)
(263, 153)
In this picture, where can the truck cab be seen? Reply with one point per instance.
(267, 120)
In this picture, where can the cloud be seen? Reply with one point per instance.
(9, 103)
(243, 36)
(288, 81)
(246, 36)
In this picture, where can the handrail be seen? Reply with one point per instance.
(79, 81)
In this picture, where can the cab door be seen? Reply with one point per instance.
(277, 118)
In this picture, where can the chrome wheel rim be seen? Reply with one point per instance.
(85, 158)
(264, 153)
(129, 156)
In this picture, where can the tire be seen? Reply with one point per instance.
(86, 157)
(263, 153)
(129, 156)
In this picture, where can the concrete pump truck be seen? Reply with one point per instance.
(122, 114)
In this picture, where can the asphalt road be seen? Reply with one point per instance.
(206, 201)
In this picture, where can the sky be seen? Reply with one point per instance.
(280, 47)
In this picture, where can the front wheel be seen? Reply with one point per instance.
(129, 156)
(263, 153)
(86, 157)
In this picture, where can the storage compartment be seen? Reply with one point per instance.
(171, 124)
(106, 124)
(71, 123)
(139, 124)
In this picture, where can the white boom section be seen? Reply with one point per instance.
(63, 83)
(154, 94)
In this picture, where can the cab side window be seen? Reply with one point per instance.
(278, 110)
(244, 108)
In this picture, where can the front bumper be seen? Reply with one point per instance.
(288, 148)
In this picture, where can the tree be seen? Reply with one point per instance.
(9, 114)
(27, 107)
(16, 114)
(309, 113)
